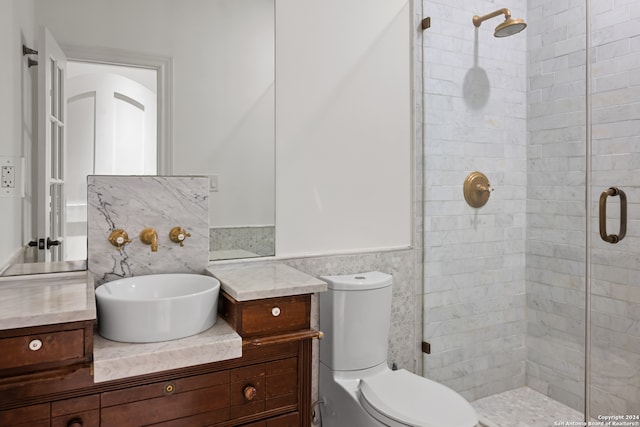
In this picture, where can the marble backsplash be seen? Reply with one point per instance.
(133, 203)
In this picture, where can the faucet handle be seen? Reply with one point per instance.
(178, 234)
(119, 238)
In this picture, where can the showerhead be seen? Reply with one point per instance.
(509, 27)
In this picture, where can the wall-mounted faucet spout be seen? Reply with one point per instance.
(149, 236)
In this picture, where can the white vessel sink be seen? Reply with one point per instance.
(157, 307)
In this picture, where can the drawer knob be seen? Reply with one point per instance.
(35, 345)
(169, 388)
(76, 422)
(249, 392)
(275, 311)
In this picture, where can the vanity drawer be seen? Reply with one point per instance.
(27, 416)
(264, 387)
(289, 420)
(247, 390)
(45, 347)
(269, 316)
(194, 399)
(84, 411)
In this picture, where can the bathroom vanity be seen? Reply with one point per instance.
(252, 368)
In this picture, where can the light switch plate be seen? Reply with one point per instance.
(213, 183)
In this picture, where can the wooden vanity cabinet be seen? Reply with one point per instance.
(269, 386)
(272, 325)
(33, 349)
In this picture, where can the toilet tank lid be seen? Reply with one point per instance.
(358, 281)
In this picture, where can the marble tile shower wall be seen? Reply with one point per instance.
(134, 203)
(615, 323)
(555, 207)
(474, 259)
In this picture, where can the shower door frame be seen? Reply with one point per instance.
(588, 202)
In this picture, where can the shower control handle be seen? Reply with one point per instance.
(477, 189)
(613, 238)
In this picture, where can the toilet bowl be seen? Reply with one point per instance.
(356, 386)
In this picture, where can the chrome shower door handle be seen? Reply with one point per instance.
(613, 238)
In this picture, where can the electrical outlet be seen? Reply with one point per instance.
(8, 176)
(11, 176)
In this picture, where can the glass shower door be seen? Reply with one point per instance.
(615, 182)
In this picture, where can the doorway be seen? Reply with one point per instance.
(112, 129)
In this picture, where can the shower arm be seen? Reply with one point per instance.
(477, 20)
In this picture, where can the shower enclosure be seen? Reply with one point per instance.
(540, 287)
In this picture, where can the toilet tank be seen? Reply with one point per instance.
(355, 316)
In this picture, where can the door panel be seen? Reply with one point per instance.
(51, 148)
(615, 296)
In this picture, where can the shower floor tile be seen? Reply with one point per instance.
(523, 407)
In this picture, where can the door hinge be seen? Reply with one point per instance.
(426, 347)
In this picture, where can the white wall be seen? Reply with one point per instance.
(343, 125)
(15, 29)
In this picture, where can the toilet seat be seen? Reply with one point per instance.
(400, 398)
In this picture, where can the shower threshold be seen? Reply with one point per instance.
(524, 407)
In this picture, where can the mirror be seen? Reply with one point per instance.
(215, 98)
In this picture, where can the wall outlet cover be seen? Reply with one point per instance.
(11, 176)
(8, 176)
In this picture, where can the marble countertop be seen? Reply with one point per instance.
(46, 299)
(114, 360)
(245, 282)
(45, 267)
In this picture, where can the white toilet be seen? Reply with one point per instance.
(356, 385)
